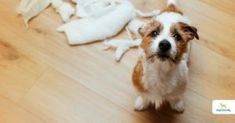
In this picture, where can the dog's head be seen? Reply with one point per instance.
(166, 37)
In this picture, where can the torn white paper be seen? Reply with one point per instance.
(31, 8)
(95, 8)
(88, 30)
(56, 3)
(121, 46)
(66, 11)
(134, 27)
(147, 14)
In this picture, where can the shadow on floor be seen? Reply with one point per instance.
(163, 115)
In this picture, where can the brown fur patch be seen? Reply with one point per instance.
(137, 76)
(186, 34)
(146, 34)
(172, 8)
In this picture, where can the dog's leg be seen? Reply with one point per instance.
(177, 104)
(158, 104)
(141, 103)
(186, 56)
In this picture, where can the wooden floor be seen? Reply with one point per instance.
(43, 80)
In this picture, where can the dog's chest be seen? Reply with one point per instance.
(162, 78)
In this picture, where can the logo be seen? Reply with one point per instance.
(223, 107)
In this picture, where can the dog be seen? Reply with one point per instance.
(161, 72)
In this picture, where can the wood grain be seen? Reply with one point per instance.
(44, 80)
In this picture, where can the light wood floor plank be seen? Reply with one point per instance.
(13, 113)
(66, 101)
(224, 5)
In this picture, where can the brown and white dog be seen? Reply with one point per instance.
(161, 72)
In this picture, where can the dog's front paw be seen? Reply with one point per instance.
(178, 106)
(141, 104)
(158, 104)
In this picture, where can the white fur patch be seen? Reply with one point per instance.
(169, 18)
(141, 103)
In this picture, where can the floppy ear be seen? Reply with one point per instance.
(192, 31)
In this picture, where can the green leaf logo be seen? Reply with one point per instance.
(223, 106)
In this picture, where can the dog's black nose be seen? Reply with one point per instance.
(164, 46)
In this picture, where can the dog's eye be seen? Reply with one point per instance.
(154, 33)
(177, 37)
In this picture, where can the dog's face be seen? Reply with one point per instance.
(166, 37)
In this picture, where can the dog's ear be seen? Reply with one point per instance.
(192, 31)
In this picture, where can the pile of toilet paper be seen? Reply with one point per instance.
(97, 20)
